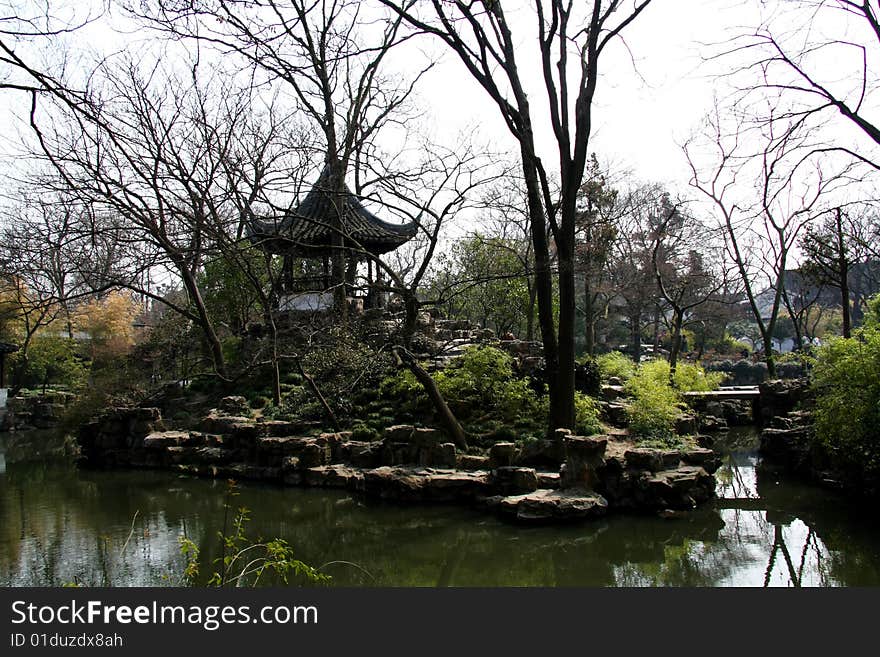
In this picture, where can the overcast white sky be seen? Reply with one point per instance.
(640, 112)
(650, 97)
(645, 104)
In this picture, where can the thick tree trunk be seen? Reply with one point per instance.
(410, 316)
(656, 345)
(560, 408)
(768, 355)
(530, 318)
(635, 333)
(562, 411)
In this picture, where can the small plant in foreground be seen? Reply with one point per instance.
(244, 562)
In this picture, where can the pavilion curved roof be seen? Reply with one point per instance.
(312, 225)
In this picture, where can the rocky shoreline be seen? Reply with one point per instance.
(562, 478)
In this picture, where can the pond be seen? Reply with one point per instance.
(61, 525)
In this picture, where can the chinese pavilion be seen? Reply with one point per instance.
(322, 242)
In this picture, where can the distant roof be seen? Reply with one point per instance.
(310, 227)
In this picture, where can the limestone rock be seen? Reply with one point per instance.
(502, 454)
(651, 459)
(510, 480)
(611, 393)
(685, 424)
(163, 439)
(705, 458)
(424, 484)
(472, 462)
(399, 433)
(334, 476)
(553, 505)
(235, 405)
(548, 479)
(583, 457)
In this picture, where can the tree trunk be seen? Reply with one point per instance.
(675, 347)
(589, 319)
(843, 272)
(656, 345)
(635, 334)
(447, 417)
(204, 320)
(560, 409)
(768, 355)
(530, 318)
(410, 317)
(562, 412)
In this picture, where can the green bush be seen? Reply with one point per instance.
(688, 377)
(654, 407)
(616, 364)
(846, 380)
(481, 389)
(482, 382)
(729, 345)
(587, 377)
(480, 373)
(257, 401)
(342, 366)
(586, 413)
(50, 360)
(364, 433)
(655, 404)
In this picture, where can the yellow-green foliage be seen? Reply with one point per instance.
(586, 415)
(616, 364)
(846, 379)
(688, 377)
(655, 404)
(109, 322)
(481, 387)
(482, 380)
(51, 360)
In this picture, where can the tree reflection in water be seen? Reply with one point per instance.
(60, 525)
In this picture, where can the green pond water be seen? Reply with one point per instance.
(59, 524)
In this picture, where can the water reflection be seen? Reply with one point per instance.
(59, 525)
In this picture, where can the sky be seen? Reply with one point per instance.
(645, 105)
(652, 94)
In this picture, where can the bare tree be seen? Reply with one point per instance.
(631, 281)
(151, 165)
(597, 229)
(321, 54)
(681, 247)
(792, 63)
(834, 248)
(570, 44)
(764, 196)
